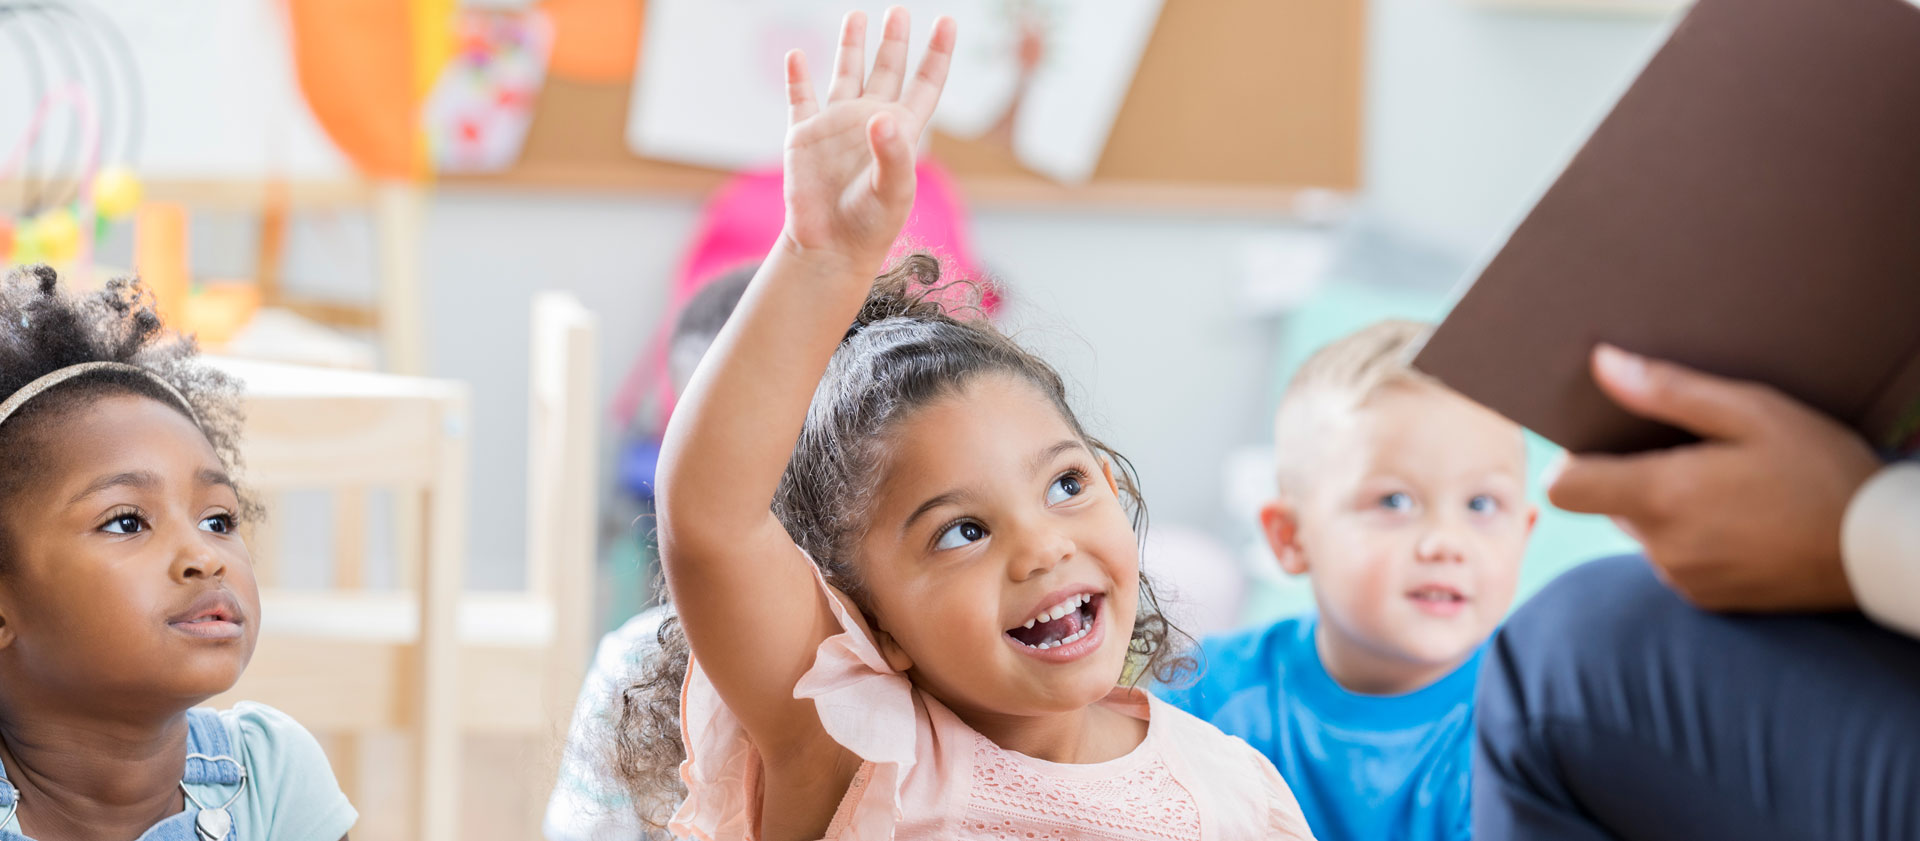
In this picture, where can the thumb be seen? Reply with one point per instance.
(1709, 406)
(892, 161)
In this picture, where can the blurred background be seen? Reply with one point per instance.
(446, 244)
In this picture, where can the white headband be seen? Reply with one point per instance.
(34, 389)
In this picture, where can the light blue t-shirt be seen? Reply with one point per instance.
(289, 795)
(1378, 768)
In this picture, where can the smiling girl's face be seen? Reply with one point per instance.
(125, 584)
(998, 560)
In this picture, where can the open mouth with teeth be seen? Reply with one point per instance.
(1066, 623)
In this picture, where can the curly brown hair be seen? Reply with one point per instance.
(44, 328)
(914, 341)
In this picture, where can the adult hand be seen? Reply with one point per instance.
(849, 163)
(1746, 520)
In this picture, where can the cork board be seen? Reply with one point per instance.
(1240, 103)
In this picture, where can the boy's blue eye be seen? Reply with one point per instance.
(124, 524)
(1483, 504)
(1396, 501)
(218, 524)
(960, 534)
(1063, 489)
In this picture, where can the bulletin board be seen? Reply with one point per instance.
(1236, 103)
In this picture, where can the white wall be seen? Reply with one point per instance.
(1470, 112)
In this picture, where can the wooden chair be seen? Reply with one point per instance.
(347, 432)
(514, 659)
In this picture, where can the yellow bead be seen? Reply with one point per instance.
(116, 192)
(57, 235)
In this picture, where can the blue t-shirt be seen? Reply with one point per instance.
(1362, 766)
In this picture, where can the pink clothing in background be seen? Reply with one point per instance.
(740, 224)
(743, 219)
(926, 775)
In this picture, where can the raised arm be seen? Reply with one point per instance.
(751, 612)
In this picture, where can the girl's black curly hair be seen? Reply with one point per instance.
(44, 328)
(908, 347)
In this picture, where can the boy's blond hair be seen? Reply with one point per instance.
(1338, 379)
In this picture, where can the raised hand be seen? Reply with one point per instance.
(849, 162)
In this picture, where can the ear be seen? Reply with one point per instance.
(1280, 523)
(891, 651)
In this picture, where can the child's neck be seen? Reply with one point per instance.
(1081, 737)
(1364, 671)
(87, 778)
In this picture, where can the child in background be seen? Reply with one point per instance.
(905, 573)
(586, 805)
(1407, 504)
(126, 594)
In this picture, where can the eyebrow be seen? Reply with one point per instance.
(1039, 462)
(1046, 456)
(141, 479)
(147, 480)
(211, 478)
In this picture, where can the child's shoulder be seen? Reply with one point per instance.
(1240, 784)
(1236, 661)
(1247, 642)
(290, 790)
(269, 737)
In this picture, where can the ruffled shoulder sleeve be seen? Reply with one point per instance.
(863, 704)
(1239, 786)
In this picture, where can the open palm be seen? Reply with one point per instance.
(849, 162)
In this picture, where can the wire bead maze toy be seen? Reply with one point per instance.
(71, 172)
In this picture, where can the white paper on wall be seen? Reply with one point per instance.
(710, 87)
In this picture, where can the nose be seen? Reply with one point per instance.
(1047, 549)
(196, 560)
(1440, 545)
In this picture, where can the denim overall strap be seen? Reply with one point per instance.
(206, 735)
(9, 803)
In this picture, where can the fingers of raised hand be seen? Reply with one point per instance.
(890, 61)
(850, 60)
(923, 90)
(800, 101)
(892, 158)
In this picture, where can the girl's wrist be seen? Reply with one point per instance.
(826, 263)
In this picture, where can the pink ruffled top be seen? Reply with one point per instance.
(926, 775)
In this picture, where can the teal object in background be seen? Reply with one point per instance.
(1561, 540)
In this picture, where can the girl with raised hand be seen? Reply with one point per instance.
(906, 573)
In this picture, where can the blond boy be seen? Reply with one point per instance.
(1406, 505)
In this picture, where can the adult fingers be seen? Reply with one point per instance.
(1601, 484)
(1704, 404)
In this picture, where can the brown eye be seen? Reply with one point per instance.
(124, 524)
(218, 524)
(960, 534)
